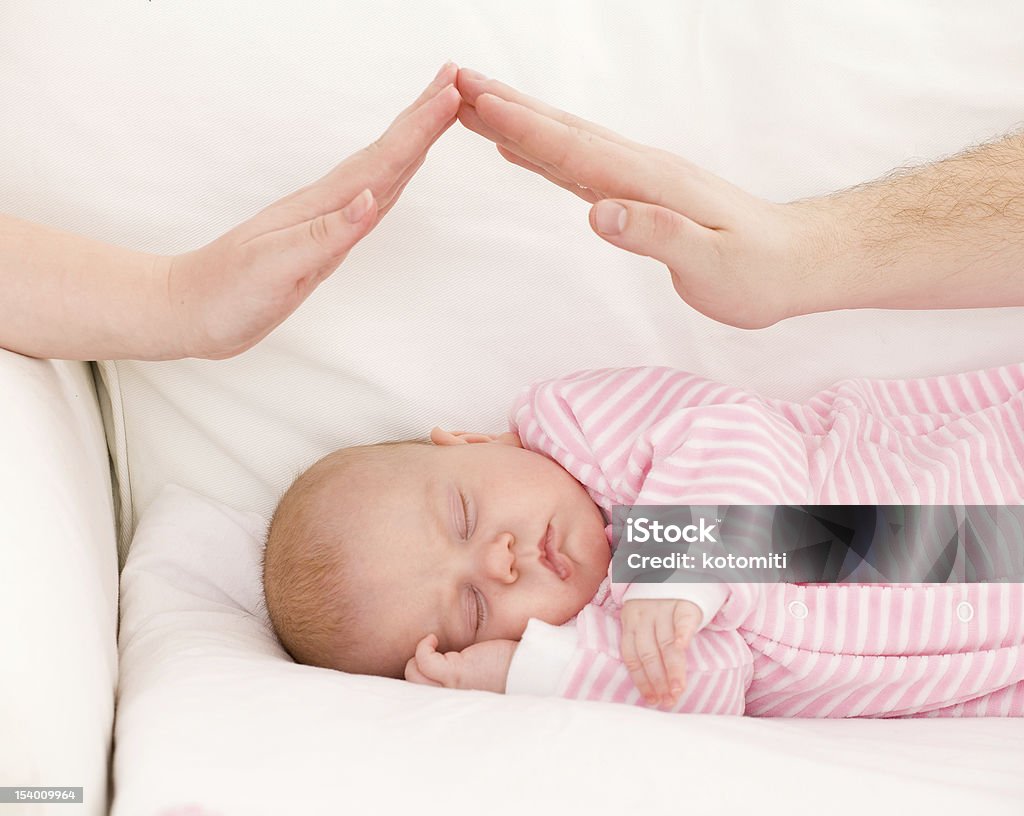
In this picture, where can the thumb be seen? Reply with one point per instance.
(321, 243)
(658, 232)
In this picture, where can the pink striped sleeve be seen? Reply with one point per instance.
(662, 436)
(718, 668)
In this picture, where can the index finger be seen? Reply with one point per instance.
(410, 135)
(579, 156)
(384, 164)
(446, 76)
(471, 84)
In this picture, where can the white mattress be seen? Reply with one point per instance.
(160, 125)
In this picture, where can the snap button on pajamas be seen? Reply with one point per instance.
(964, 611)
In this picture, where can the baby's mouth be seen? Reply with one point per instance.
(551, 555)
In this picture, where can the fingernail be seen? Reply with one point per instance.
(443, 69)
(358, 206)
(469, 72)
(610, 217)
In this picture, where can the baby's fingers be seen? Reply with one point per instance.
(434, 665)
(673, 642)
(414, 675)
(643, 662)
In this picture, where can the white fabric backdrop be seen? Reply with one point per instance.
(160, 125)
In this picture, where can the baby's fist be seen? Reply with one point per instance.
(482, 666)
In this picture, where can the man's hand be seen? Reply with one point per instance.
(483, 666)
(732, 256)
(655, 636)
(945, 235)
(228, 295)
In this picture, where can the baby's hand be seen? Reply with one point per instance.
(655, 635)
(483, 666)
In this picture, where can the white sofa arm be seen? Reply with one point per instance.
(58, 582)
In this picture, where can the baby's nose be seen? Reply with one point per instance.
(501, 559)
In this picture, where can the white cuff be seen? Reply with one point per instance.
(541, 658)
(709, 597)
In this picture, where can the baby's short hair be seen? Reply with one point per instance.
(307, 563)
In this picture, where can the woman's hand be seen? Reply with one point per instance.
(734, 257)
(231, 293)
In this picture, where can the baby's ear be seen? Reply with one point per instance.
(442, 437)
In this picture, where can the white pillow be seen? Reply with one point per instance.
(212, 712)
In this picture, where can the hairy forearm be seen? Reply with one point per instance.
(65, 296)
(949, 234)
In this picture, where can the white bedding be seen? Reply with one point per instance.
(58, 583)
(160, 125)
(211, 712)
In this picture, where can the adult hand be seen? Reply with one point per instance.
(229, 294)
(734, 257)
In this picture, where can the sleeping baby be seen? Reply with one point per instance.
(479, 561)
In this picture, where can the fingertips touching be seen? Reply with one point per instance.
(444, 77)
(470, 84)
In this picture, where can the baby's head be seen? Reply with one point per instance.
(466, 537)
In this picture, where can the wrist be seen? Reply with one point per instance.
(163, 335)
(823, 260)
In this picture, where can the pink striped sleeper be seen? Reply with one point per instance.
(661, 436)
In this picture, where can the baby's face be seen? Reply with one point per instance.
(468, 541)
